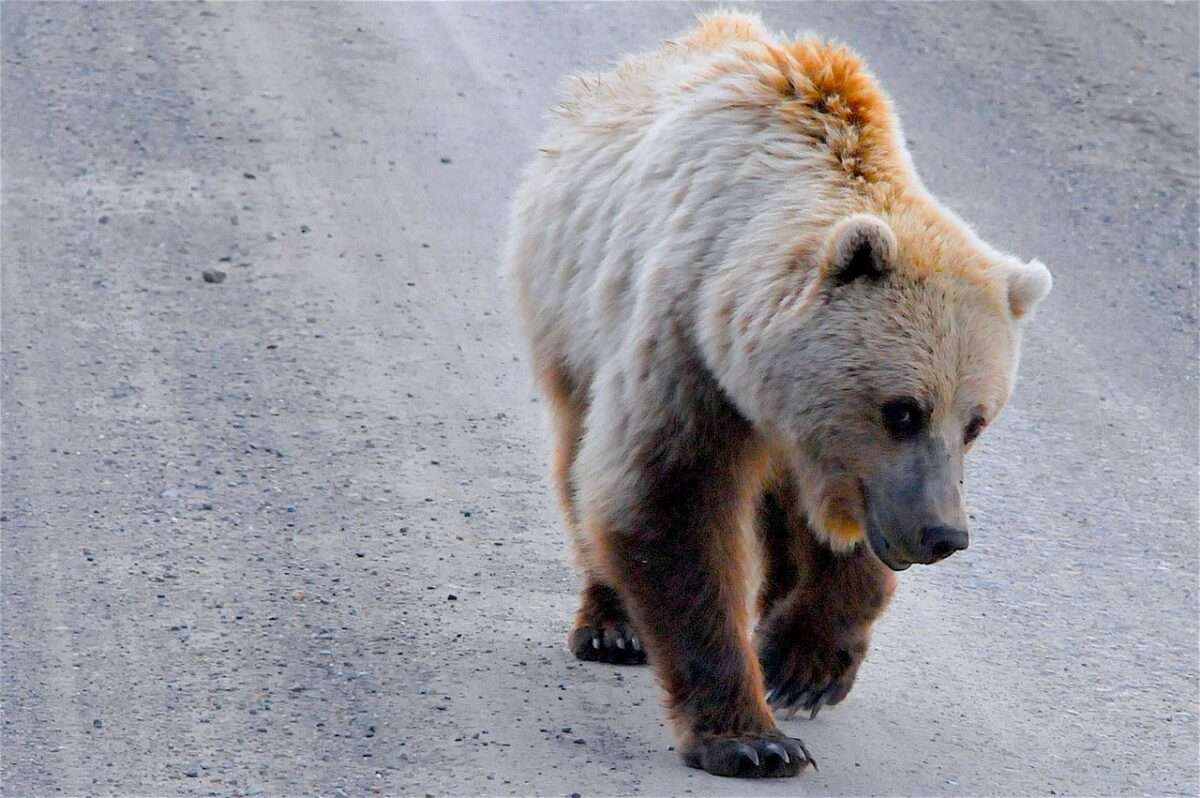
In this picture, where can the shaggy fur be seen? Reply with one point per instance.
(725, 263)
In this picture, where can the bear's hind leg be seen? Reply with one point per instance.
(816, 608)
(603, 631)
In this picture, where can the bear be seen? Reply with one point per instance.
(766, 349)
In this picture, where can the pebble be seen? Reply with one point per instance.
(213, 276)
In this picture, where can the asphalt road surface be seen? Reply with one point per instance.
(290, 534)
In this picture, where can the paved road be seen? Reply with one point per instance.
(289, 533)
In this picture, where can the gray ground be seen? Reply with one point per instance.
(289, 534)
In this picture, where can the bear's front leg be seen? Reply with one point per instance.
(664, 506)
(817, 609)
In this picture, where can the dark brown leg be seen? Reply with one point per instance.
(671, 542)
(780, 565)
(817, 608)
(602, 630)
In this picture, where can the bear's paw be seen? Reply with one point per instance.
(749, 757)
(613, 642)
(808, 664)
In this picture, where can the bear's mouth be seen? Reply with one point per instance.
(884, 551)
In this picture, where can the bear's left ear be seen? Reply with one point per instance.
(859, 247)
(1028, 284)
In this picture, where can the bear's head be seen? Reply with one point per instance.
(902, 350)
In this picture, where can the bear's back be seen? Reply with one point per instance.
(649, 175)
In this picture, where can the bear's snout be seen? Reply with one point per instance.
(939, 542)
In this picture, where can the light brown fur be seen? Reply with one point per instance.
(764, 344)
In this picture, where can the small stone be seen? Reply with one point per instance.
(97, 724)
(191, 773)
(103, 220)
(249, 175)
(305, 228)
(213, 276)
(451, 597)
(445, 160)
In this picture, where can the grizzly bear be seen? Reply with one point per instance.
(766, 350)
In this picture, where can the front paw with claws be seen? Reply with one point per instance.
(808, 665)
(756, 757)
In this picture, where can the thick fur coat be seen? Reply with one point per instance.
(761, 338)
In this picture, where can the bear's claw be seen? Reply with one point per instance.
(750, 757)
(811, 699)
(615, 643)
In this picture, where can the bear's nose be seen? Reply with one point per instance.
(939, 542)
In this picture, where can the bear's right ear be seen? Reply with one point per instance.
(859, 247)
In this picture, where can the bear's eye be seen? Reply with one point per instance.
(973, 429)
(903, 418)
